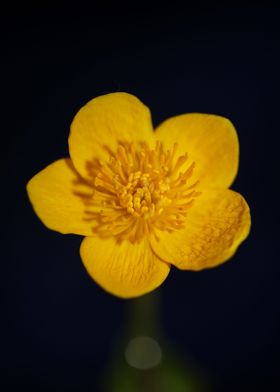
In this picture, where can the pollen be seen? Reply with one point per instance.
(139, 190)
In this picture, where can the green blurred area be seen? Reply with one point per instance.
(172, 374)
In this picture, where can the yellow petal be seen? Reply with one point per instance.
(210, 141)
(103, 122)
(123, 269)
(58, 195)
(215, 226)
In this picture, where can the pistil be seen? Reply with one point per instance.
(141, 190)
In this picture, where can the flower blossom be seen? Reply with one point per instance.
(144, 199)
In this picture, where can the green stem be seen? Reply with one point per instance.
(144, 314)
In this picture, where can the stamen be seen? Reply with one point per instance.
(139, 191)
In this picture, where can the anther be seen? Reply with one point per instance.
(139, 191)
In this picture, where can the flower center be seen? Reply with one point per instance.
(139, 191)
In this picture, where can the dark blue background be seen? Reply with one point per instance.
(58, 328)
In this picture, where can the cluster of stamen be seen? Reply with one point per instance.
(139, 191)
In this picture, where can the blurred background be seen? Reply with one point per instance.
(59, 330)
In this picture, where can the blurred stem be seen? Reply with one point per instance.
(171, 374)
(144, 315)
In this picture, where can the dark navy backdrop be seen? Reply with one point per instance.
(58, 327)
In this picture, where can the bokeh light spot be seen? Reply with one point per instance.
(143, 352)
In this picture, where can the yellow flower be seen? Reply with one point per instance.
(144, 199)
